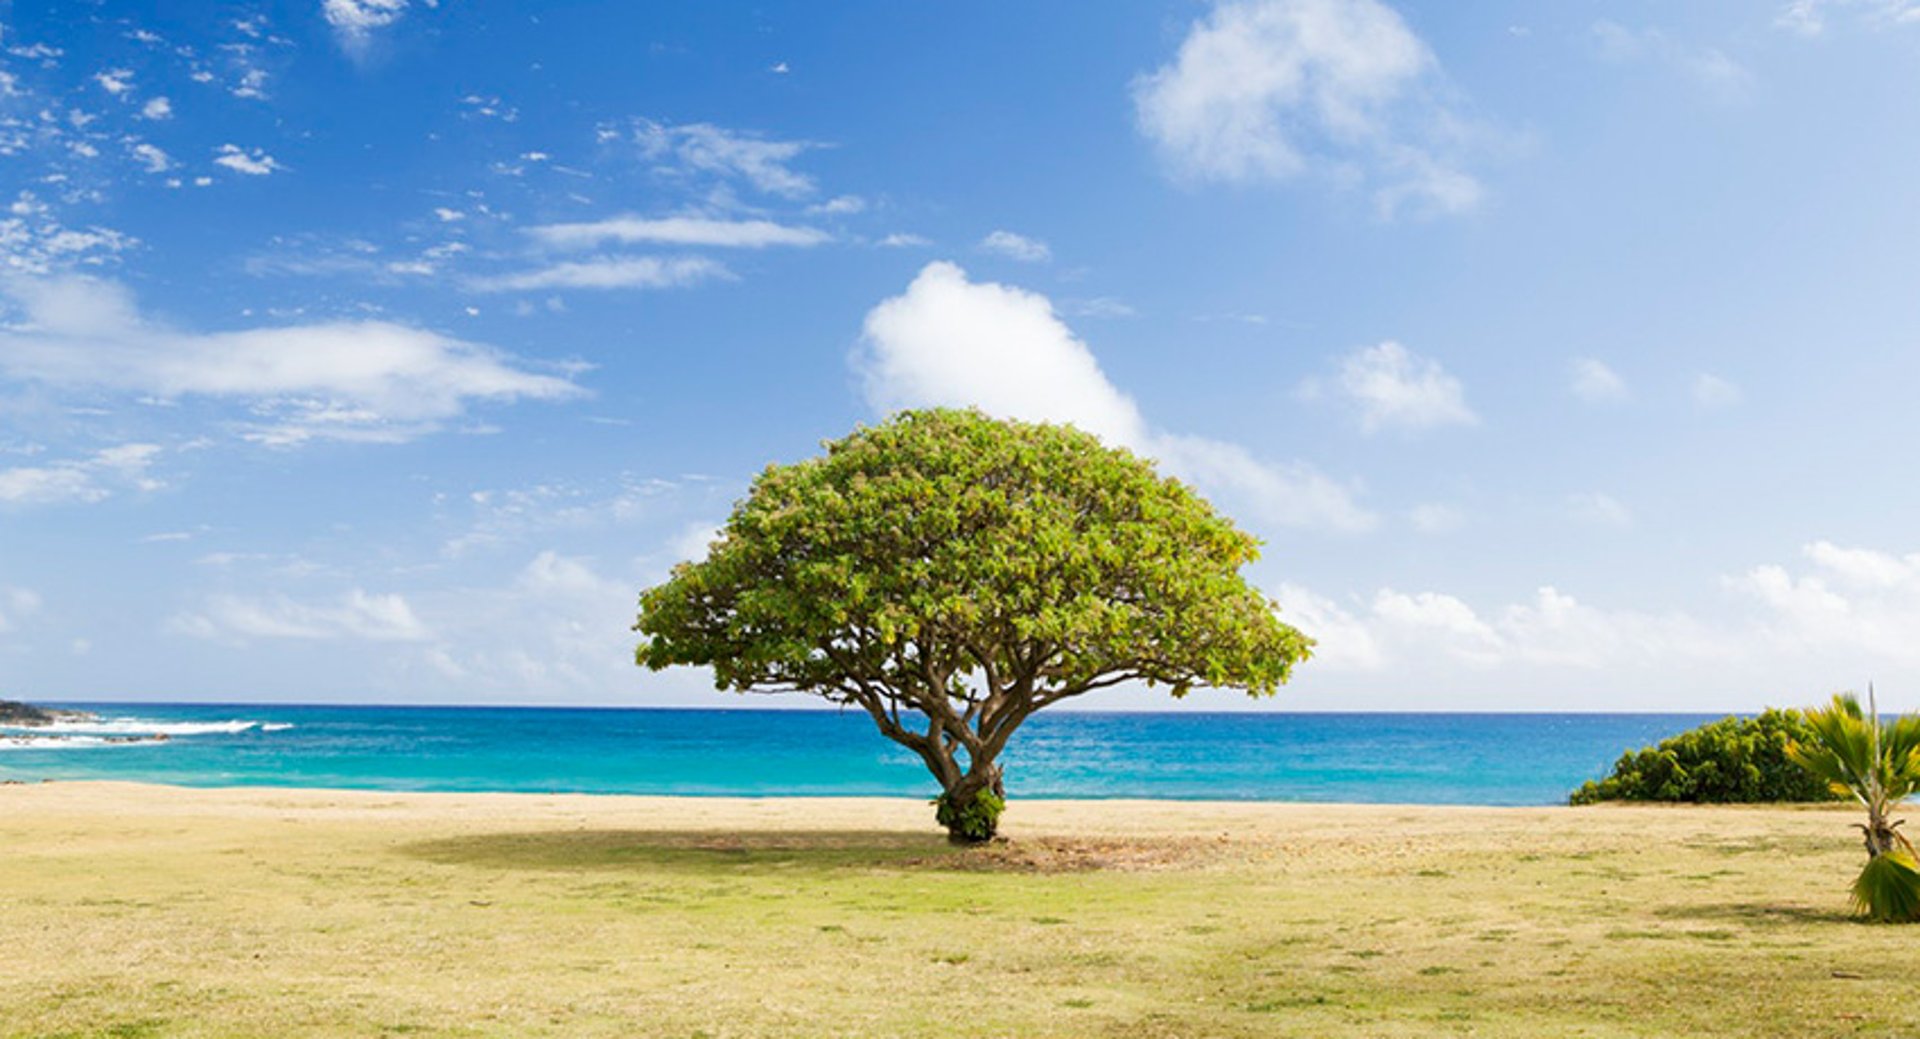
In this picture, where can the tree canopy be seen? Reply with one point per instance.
(951, 574)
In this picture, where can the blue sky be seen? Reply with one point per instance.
(381, 350)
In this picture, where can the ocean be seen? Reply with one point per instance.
(1483, 759)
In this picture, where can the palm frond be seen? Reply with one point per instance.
(1888, 889)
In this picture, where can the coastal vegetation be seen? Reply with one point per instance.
(952, 574)
(1731, 761)
(1876, 761)
(161, 912)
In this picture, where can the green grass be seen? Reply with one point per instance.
(130, 911)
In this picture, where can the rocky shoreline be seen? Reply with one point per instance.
(27, 716)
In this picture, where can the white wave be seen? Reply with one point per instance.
(143, 727)
(8, 742)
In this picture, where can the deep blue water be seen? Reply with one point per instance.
(1393, 758)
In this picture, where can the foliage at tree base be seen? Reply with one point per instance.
(973, 822)
(1889, 889)
(1731, 761)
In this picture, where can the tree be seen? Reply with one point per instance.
(1877, 762)
(952, 574)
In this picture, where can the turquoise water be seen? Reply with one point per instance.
(1511, 759)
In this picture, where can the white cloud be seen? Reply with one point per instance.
(355, 614)
(1342, 640)
(949, 341)
(678, 230)
(353, 380)
(155, 160)
(731, 155)
(254, 163)
(1397, 388)
(1016, 247)
(157, 109)
(1709, 67)
(1711, 391)
(1809, 17)
(355, 21)
(1265, 90)
(115, 81)
(1596, 383)
(1599, 509)
(902, 240)
(1425, 633)
(1098, 306)
(93, 478)
(608, 272)
(839, 205)
(1858, 605)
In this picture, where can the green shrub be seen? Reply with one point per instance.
(970, 823)
(1733, 760)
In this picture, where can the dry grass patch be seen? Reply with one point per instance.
(148, 911)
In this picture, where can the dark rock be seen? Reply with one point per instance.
(26, 715)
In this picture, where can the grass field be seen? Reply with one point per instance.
(147, 911)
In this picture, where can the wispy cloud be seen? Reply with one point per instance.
(345, 380)
(1595, 383)
(1713, 393)
(93, 478)
(1016, 247)
(1712, 69)
(676, 230)
(755, 160)
(608, 272)
(355, 614)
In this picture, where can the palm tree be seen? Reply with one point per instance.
(1877, 762)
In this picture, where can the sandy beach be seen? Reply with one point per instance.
(150, 910)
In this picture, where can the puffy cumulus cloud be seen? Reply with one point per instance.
(1417, 633)
(1267, 90)
(951, 341)
(677, 230)
(1395, 388)
(1859, 602)
(92, 478)
(1789, 632)
(355, 614)
(346, 380)
(1016, 247)
(608, 272)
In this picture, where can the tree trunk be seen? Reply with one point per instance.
(970, 807)
(1880, 835)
